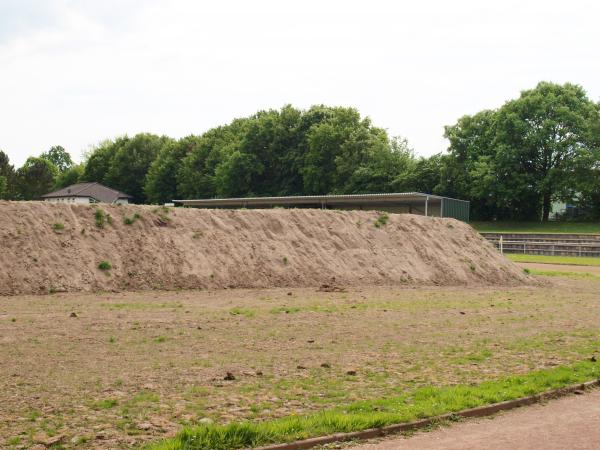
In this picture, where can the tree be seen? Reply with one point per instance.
(7, 173)
(59, 157)
(98, 159)
(196, 177)
(3, 187)
(131, 161)
(514, 161)
(541, 138)
(70, 176)
(35, 178)
(161, 180)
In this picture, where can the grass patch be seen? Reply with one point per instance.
(417, 404)
(555, 273)
(237, 311)
(131, 220)
(538, 227)
(58, 226)
(105, 404)
(382, 220)
(543, 259)
(285, 310)
(104, 265)
(99, 218)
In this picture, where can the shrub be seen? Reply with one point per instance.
(381, 220)
(99, 218)
(131, 220)
(104, 265)
(58, 226)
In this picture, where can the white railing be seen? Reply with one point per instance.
(547, 248)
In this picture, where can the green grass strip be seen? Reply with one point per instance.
(418, 404)
(556, 273)
(543, 259)
(538, 227)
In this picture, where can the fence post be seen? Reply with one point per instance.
(501, 245)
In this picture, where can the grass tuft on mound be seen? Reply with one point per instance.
(418, 404)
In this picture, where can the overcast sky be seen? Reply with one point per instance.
(73, 73)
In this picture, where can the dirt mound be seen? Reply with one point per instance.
(59, 247)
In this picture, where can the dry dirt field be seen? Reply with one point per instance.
(114, 370)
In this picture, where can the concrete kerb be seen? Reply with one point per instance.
(480, 411)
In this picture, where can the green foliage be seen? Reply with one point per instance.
(104, 265)
(58, 156)
(514, 161)
(131, 220)
(35, 178)
(99, 217)
(131, 162)
(7, 177)
(98, 160)
(161, 180)
(3, 187)
(58, 226)
(422, 402)
(70, 176)
(381, 220)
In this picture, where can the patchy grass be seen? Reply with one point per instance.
(538, 227)
(238, 311)
(291, 358)
(417, 404)
(58, 226)
(555, 273)
(543, 259)
(105, 404)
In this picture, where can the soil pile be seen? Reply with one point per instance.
(48, 247)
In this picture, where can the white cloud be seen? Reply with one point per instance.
(77, 72)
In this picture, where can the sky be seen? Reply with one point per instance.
(76, 72)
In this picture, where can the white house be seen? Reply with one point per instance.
(87, 193)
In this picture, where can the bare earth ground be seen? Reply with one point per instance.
(128, 368)
(567, 423)
(52, 247)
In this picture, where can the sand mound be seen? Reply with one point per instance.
(193, 248)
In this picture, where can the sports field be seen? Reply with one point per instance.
(116, 370)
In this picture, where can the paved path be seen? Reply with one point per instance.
(571, 423)
(561, 267)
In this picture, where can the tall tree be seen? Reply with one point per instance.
(541, 138)
(58, 156)
(131, 161)
(161, 180)
(35, 178)
(98, 160)
(514, 161)
(70, 176)
(7, 172)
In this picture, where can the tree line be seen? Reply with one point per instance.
(511, 162)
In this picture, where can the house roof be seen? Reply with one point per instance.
(94, 190)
